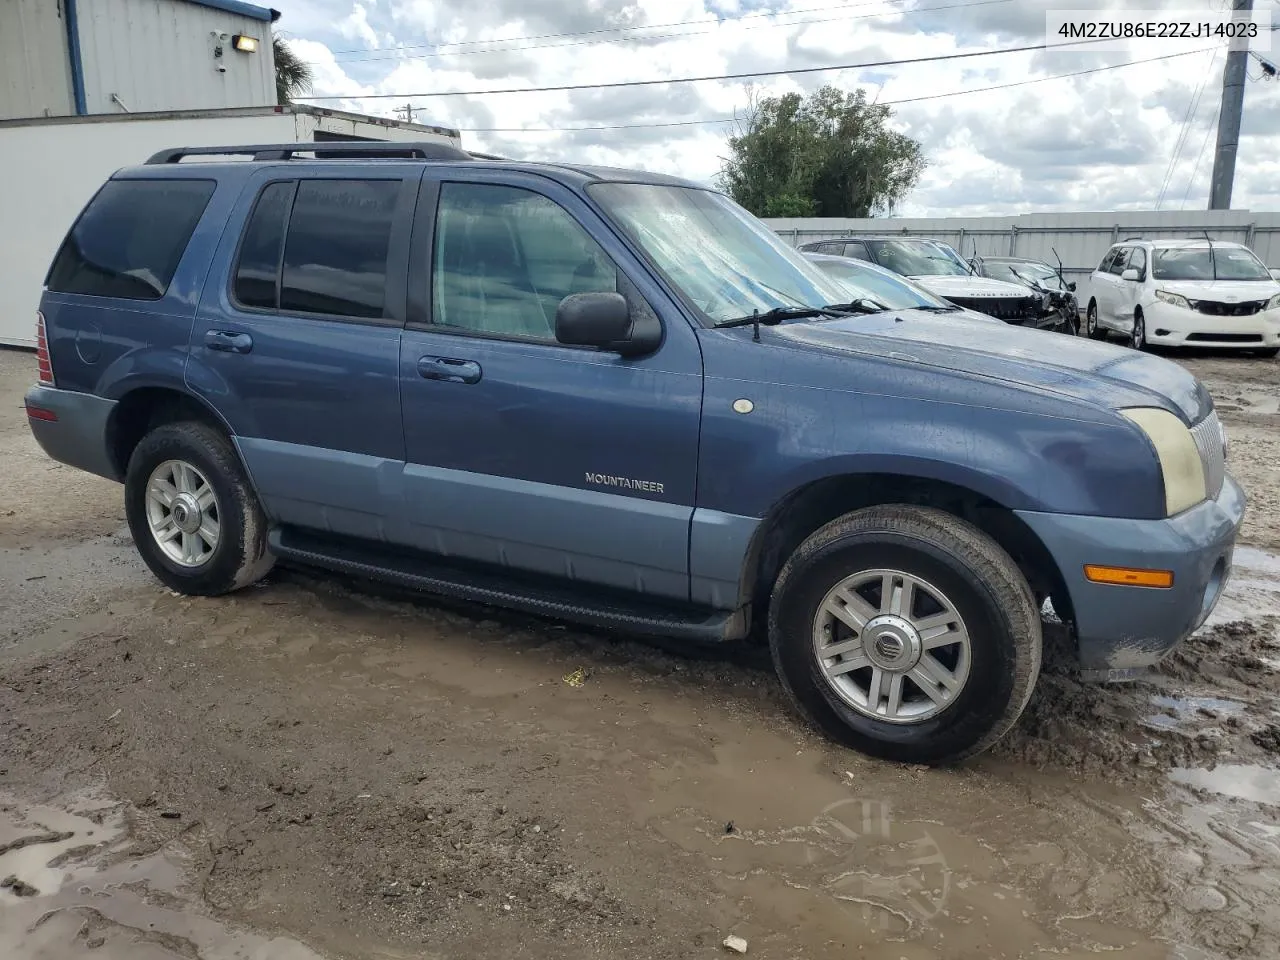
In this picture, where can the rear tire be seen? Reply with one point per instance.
(1092, 329)
(982, 667)
(193, 515)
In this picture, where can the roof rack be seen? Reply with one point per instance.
(1130, 239)
(370, 149)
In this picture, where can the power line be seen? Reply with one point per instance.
(628, 29)
(667, 36)
(1192, 106)
(932, 96)
(936, 58)
(1195, 171)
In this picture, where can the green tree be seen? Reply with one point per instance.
(293, 76)
(831, 154)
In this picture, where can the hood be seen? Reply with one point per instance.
(1099, 374)
(972, 287)
(1221, 291)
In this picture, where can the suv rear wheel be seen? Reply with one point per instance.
(193, 515)
(906, 633)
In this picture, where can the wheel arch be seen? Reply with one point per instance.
(807, 508)
(144, 408)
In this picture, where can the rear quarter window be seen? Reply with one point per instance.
(130, 238)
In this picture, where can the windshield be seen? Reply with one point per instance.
(1040, 273)
(896, 293)
(1195, 263)
(918, 258)
(722, 259)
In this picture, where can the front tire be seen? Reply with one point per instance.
(1268, 353)
(906, 633)
(193, 515)
(1138, 336)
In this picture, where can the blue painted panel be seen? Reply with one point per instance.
(874, 407)
(603, 538)
(326, 489)
(718, 545)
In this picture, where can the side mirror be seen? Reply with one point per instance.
(601, 320)
(1131, 274)
(1072, 286)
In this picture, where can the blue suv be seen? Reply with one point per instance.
(617, 398)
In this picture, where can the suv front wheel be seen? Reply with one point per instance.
(193, 515)
(906, 633)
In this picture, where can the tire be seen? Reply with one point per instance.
(1267, 353)
(1138, 335)
(228, 511)
(986, 592)
(1092, 329)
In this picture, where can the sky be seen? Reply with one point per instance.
(1137, 137)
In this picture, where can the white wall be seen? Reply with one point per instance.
(158, 55)
(35, 72)
(49, 170)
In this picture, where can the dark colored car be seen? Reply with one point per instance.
(936, 266)
(618, 398)
(1039, 276)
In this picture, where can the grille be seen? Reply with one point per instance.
(1210, 442)
(1225, 337)
(1002, 308)
(1215, 309)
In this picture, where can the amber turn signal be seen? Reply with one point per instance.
(1128, 576)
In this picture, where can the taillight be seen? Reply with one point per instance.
(42, 351)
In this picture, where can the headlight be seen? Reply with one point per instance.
(1180, 464)
(1173, 299)
(1273, 303)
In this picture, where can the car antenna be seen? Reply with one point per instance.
(1213, 259)
(1061, 278)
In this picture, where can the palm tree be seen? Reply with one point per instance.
(293, 76)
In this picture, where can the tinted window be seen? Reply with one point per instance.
(1120, 262)
(505, 258)
(259, 265)
(335, 257)
(857, 249)
(128, 241)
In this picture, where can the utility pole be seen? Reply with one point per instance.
(405, 113)
(1224, 159)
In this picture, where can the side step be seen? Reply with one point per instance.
(596, 607)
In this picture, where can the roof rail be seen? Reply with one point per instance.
(367, 149)
(1129, 239)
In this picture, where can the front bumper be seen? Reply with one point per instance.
(1122, 629)
(1172, 326)
(71, 427)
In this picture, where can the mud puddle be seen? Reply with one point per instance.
(73, 889)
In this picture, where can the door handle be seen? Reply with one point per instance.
(449, 369)
(228, 342)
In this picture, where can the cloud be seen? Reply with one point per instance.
(1095, 142)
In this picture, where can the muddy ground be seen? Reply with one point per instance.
(310, 770)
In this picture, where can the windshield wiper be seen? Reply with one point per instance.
(861, 305)
(940, 308)
(772, 317)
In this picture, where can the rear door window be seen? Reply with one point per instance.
(335, 253)
(258, 266)
(856, 249)
(128, 242)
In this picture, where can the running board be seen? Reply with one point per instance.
(541, 597)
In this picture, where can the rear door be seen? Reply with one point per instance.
(297, 339)
(524, 453)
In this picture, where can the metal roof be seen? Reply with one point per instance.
(265, 14)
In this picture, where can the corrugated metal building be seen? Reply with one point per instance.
(71, 57)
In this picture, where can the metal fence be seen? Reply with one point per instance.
(1080, 239)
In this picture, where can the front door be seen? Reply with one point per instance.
(524, 453)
